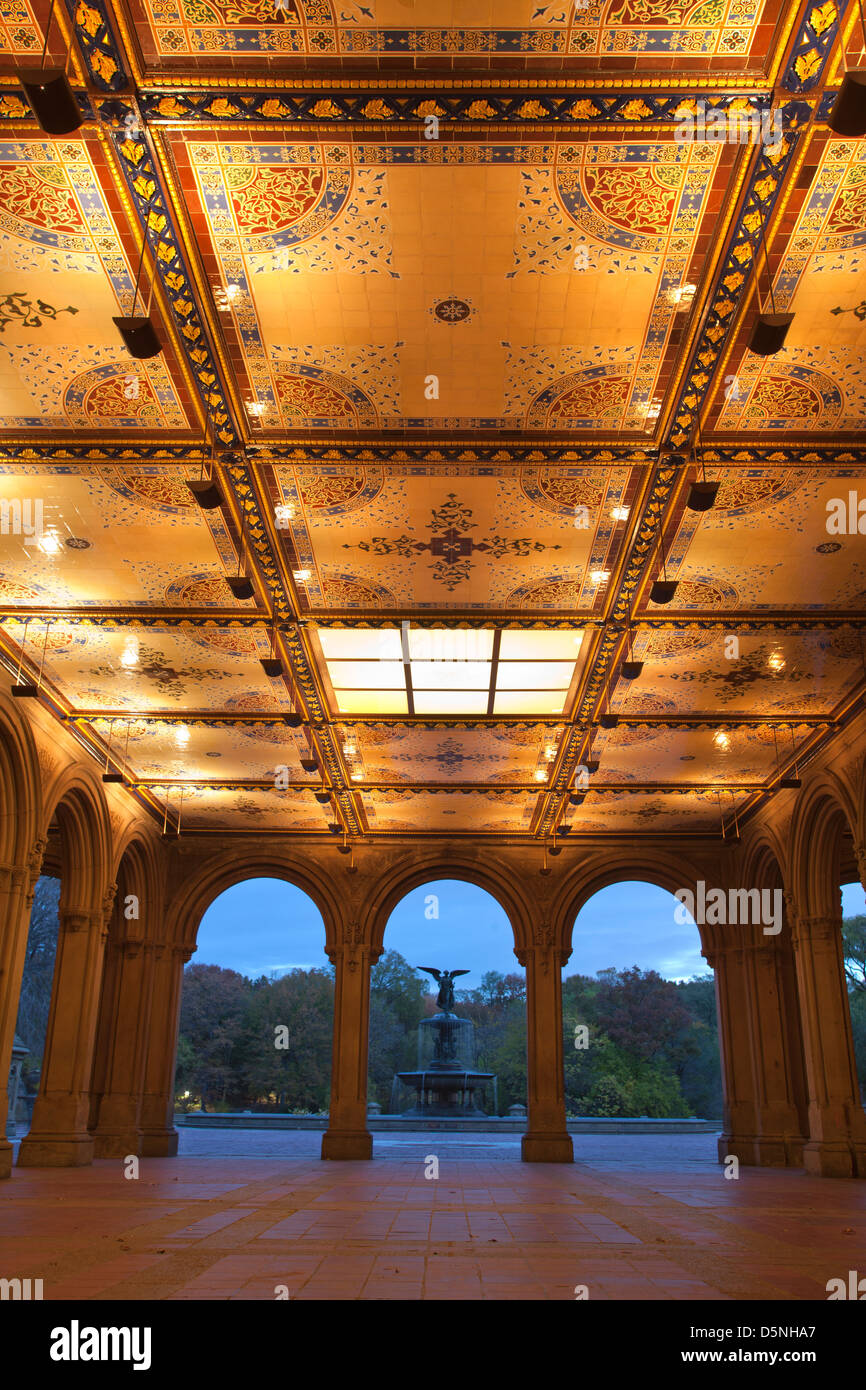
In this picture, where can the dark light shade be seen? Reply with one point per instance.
(271, 665)
(334, 828)
(25, 690)
(663, 590)
(848, 116)
(323, 798)
(293, 721)
(309, 764)
(139, 336)
(555, 849)
(564, 830)
(609, 721)
(592, 765)
(240, 586)
(790, 783)
(51, 98)
(769, 333)
(702, 496)
(577, 798)
(206, 493)
(344, 849)
(630, 670)
(112, 776)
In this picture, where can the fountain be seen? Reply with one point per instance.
(446, 1081)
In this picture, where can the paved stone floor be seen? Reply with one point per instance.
(237, 1214)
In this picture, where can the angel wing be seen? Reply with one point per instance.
(454, 973)
(431, 970)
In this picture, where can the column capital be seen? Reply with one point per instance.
(543, 956)
(351, 955)
(822, 930)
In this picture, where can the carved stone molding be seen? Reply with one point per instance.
(47, 762)
(824, 931)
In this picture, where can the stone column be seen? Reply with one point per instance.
(740, 1123)
(158, 1134)
(17, 884)
(347, 1135)
(836, 1147)
(547, 1139)
(59, 1137)
(122, 1046)
(779, 1139)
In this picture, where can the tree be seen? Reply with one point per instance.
(213, 1002)
(38, 978)
(641, 1011)
(854, 952)
(282, 1055)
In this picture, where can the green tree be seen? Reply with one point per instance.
(294, 1010)
(854, 952)
(213, 1003)
(38, 977)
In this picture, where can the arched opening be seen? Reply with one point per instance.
(75, 857)
(34, 1004)
(256, 1012)
(640, 1026)
(447, 1016)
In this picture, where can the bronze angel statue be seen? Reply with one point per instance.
(445, 981)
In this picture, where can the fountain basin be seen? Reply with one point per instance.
(445, 1091)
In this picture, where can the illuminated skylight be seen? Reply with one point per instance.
(449, 671)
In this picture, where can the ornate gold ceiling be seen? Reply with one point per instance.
(451, 310)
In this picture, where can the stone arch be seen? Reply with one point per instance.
(666, 871)
(764, 858)
(822, 816)
(136, 870)
(77, 803)
(20, 785)
(443, 864)
(188, 906)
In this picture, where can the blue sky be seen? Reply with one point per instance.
(265, 925)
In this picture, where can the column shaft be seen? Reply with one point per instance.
(546, 1139)
(158, 1134)
(122, 1049)
(347, 1135)
(836, 1146)
(59, 1136)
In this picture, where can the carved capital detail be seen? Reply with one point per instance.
(823, 931)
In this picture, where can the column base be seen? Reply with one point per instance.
(159, 1144)
(547, 1148)
(56, 1151)
(779, 1151)
(743, 1147)
(347, 1144)
(825, 1159)
(5, 1159)
(119, 1145)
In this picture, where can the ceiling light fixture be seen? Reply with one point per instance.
(181, 735)
(662, 590)
(272, 665)
(630, 669)
(51, 98)
(702, 495)
(721, 739)
(787, 783)
(240, 585)
(599, 576)
(130, 655)
(770, 330)
(27, 690)
(848, 116)
(137, 331)
(50, 543)
(540, 774)
(302, 576)
(620, 513)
